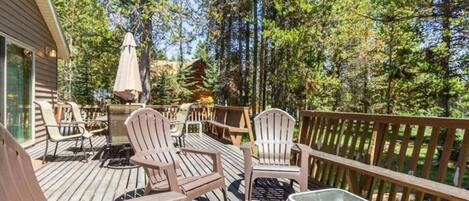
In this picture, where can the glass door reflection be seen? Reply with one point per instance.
(18, 116)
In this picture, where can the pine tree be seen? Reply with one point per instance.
(164, 90)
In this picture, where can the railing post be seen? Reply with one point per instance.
(376, 142)
(304, 125)
(352, 181)
(374, 151)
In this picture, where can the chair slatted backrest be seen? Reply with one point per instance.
(117, 114)
(48, 117)
(90, 112)
(168, 111)
(182, 116)
(274, 136)
(62, 112)
(17, 179)
(76, 113)
(200, 112)
(400, 143)
(149, 132)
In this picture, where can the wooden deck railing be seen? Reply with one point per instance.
(63, 112)
(197, 113)
(168, 111)
(404, 144)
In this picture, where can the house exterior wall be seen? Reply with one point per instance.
(21, 20)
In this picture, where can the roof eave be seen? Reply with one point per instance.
(47, 10)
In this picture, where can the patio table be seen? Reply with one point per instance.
(332, 194)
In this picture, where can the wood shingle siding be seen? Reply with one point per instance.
(22, 21)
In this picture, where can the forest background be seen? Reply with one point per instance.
(402, 57)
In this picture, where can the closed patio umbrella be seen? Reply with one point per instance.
(128, 84)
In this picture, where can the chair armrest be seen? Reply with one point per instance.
(200, 151)
(140, 160)
(215, 155)
(176, 122)
(93, 121)
(304, 155)
(247, 154)
(167, 196)
(303, 148)
(71, 122)
(247, 146)
(68, 125)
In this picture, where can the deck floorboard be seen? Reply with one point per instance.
(68, 177)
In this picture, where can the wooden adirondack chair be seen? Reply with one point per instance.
(149, 134)
(179, 127)
(86, 123)
(274, 140)
(79, 133)
(19, 183)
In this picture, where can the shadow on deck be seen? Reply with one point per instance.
(67, 177)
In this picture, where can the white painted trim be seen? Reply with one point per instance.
(18, 42)
(32, 105)
(4, 80)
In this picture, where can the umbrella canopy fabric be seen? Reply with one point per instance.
(128, 83)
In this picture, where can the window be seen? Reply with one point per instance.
(16, 71)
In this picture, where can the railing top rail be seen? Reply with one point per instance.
(425, 185)
(230, 107)
(393, 119)
(162, 106)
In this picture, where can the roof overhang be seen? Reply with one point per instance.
(47, 10)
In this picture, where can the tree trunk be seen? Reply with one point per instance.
(389, 99)
(446, 39)
(366, 98)
(264, 74)
(240, 57)
(263, 57)
(247, 63)
(221, 54)
(146, 47)
(254, 61)
(337, 93)
(181, 39)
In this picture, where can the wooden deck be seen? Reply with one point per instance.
(68, 178)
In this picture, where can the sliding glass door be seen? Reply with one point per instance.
(17, 90)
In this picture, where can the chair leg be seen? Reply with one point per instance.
(291, 183)
(247, 186)
(55, 150)
(251, 186)
(76, 145)
(91, 146)
(303, 184)
(200, 129)
(83, 149)
(45, 152)
(223, 190)
(148, 189)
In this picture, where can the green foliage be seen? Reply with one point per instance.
(184, 81)
(172, 88)
(211, 80)
(164, 90)
(94, 46)
(401, 57)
